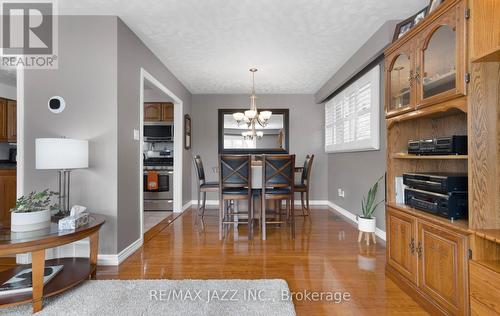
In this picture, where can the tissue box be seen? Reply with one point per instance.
(74, 222)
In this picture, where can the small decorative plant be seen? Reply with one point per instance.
(368, 204)
(35, 201)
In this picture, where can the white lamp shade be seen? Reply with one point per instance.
(250, 114)
(265, 115)
(61, 153)
(238, 116)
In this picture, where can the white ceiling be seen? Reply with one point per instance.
(209, 45)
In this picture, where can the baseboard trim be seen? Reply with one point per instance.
(115, 260)
(351, 216)
(187, 205)
(311, 202)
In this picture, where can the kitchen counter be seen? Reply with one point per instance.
(8, 165)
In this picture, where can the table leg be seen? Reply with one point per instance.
(37, 268)
(94, 249)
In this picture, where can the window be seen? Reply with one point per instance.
(352, 116)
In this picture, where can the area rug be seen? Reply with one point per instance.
(168, 297)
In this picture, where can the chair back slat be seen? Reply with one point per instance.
(278, 171)
(234, 171)
(199, 168)
(306, 172)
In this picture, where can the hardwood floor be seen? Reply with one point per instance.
(324, 257)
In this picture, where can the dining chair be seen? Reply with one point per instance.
(203, 186)
(235, 184)
(278, 173)
(304, 185)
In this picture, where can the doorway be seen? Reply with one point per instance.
(160, 153)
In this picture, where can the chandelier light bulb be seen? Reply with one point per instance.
(265, 115)
(250, 114)
(238, 116)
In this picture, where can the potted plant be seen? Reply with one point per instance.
(33, 211)
(366, 221)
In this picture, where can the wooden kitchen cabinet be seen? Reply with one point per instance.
(7, 192)
(401, 244)
(11, 121)
(167, 112)
(3, 120)
(152, 112)
(158, 112)
(442, 267)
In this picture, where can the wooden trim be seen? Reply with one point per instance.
(284, 112)
(411, 289)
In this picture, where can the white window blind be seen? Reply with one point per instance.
(352, 116)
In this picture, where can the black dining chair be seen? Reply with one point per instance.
(234, 185)
(203, 186)
(278, 172)
(305, 184)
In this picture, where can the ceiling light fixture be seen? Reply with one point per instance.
(252, 116)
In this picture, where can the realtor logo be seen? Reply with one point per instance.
(28, 34)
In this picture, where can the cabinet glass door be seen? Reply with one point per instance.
(400, 83)
(439, 63)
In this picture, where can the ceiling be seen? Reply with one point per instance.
(209, 45)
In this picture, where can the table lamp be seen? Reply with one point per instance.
(64, 155)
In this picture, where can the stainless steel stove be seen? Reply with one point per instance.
(161, 199)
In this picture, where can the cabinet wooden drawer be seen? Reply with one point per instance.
(484, 287)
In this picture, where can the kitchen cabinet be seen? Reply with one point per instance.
(7, 192)
(158, 112)
(428, 65)
(431, 258)
(3, 120)
(167, 112)
(11, 121)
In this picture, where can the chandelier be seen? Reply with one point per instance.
(252, 117)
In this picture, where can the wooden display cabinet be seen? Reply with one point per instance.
(428, 256)
(420, 71)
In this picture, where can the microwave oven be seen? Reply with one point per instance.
(158, 132)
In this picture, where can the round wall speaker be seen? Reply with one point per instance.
(56, 104)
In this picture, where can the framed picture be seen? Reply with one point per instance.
(187, 131)
(402, 28)
(420, 16)
(434, 4)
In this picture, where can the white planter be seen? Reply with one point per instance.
(367, 225)
(23, 222)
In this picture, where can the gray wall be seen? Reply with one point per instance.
(132, 55)
(100, 80)
(368, 52)
(306, 132)
(356, 172)
(8, 91)
(86, 78)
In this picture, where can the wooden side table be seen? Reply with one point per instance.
(75, 270)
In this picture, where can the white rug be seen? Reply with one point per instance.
(168, 297)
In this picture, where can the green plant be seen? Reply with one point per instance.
(35, 201)
(368, 204)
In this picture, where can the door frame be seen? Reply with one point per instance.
(178, 144)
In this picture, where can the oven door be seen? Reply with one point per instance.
(164, 186)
